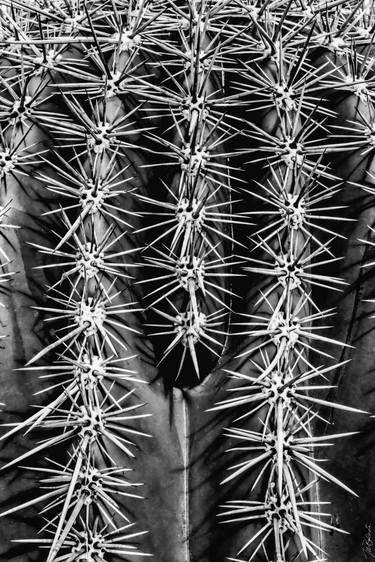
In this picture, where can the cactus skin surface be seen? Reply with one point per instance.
(187, 237)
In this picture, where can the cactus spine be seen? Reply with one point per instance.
(184, 157)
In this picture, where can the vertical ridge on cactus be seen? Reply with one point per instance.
(179, 167)
(280, 451)
(88, 303)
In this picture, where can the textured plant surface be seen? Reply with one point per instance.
(187, 253)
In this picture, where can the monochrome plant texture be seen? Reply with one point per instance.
(187, 306)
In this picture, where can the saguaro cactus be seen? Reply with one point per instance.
(186, 221)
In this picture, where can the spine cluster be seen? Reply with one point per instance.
(182, 151)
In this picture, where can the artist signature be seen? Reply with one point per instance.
(368, 542)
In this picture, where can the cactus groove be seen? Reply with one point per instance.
(186, 255)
